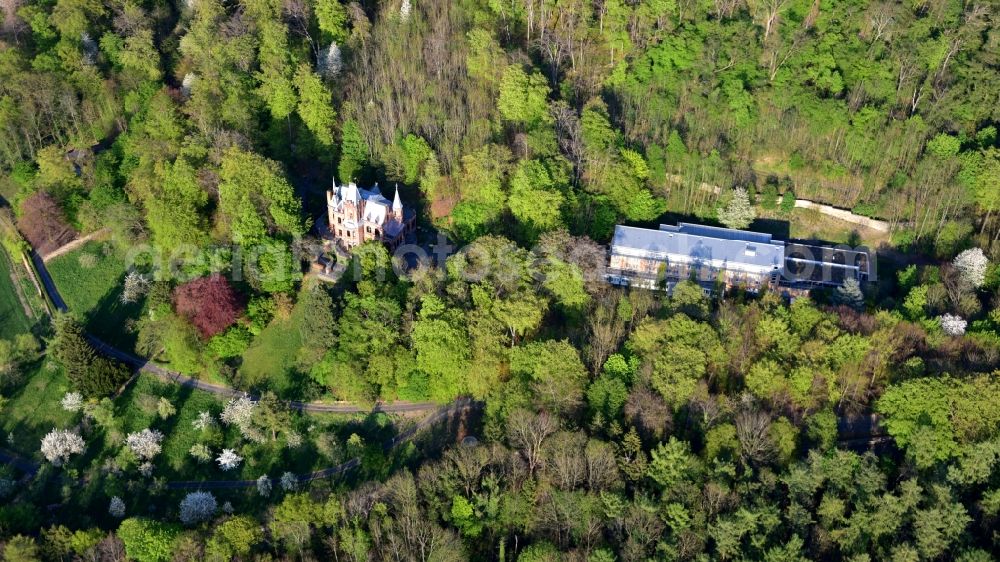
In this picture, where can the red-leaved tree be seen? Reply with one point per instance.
(43, 223)
(210, 303)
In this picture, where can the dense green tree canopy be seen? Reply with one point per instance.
(608, 423)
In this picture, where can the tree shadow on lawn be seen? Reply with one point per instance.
(92, 496)
(109, 319)
(90, 483)
(30, 406)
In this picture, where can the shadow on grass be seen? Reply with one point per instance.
(780, 229)
(33, 409)
(109, 320)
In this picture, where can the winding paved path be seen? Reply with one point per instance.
(174, 377)
(144, 365)
(167, 375)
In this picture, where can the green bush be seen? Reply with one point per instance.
(787, 202)
(769, 197)
(148, 541)
(865, 209)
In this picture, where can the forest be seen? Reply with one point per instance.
(163, 166)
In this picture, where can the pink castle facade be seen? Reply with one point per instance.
(357, 215)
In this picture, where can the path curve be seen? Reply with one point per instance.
(146, 366)
(174, 377)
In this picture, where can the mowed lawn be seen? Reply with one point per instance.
(13, 320)
(35, 408)
(136, 409)
(270, 360)
(90, 281)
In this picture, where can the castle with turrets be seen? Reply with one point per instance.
(357, 215)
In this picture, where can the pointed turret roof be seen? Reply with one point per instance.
(397, 205)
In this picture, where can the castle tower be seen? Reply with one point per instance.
(397, 205)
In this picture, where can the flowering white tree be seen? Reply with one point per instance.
(264, 485)
(72, 402)
(330, 62)
(146, 469)
(972, 264)
(59, 444)
(203, 421)
(738, 213)
(289, 482)
(850, 294)
(134, 286)
(404, 10)
(89, 48)
(146, 443)
(197, 507)
(229, 460)
(188, 82)
(293, 439)
(240, 412)
(117, 508)
(953, 325)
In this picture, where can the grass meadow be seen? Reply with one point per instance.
(13, 320)
(90, 281)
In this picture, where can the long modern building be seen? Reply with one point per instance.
(648, 258)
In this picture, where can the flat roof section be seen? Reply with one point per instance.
(702, 244)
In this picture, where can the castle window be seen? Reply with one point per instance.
(376, 232)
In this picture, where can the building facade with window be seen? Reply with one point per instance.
(356, 215)
(713, 256)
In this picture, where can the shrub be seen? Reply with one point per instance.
(787, 202)
(210, 303)
(865, 209)
(769, 197)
